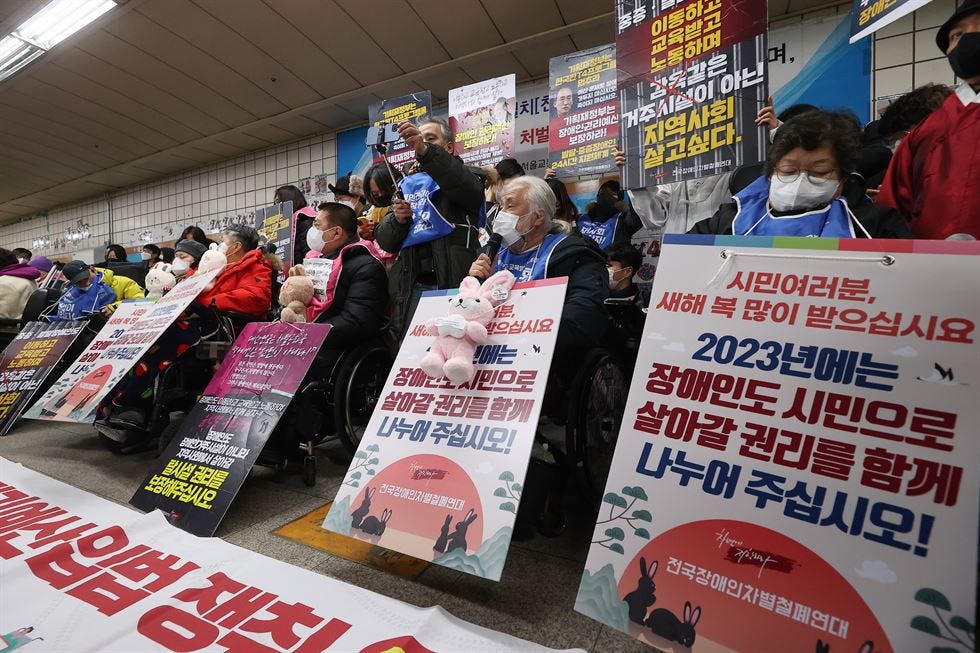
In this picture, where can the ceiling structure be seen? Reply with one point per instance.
(154, 87)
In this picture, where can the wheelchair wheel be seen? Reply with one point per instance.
(600, 393)
(359, 384)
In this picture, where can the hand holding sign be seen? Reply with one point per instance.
(767, 116)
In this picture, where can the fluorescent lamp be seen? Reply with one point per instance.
(47, 27)
(59, 19)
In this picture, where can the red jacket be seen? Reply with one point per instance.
(245, 286)
(934, 177)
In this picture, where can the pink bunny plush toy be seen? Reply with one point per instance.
(458, 334)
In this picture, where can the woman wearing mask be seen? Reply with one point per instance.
(380, 191)
(303, 215)
(150, 254)
(187, 257)
(809, 161)
(114, 254)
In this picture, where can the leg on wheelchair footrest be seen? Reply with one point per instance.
(543, 499)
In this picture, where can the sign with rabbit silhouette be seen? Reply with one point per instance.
(440, 471)
(796, 467)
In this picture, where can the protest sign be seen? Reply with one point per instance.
(415, 107)
(440, 470)
(275, 223)
(128, 334)
(692, 80)
(198, 475)
(27, 361)
(869, 16)
(100, 577)
(531, 127)
(481, 116)
(319, 270)
(797, 461)
(584, 125)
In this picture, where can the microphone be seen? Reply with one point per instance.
(492, 247)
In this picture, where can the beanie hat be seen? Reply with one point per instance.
(193, 248)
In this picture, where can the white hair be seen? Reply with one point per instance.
(540, 197)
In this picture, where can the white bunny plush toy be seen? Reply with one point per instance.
(458, 334)
(213, 259)
(159, 280)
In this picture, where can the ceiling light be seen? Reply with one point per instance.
(47, 27)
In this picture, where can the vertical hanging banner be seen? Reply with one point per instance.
(27, 361)
(128, 334)
(584, 127)
(196, 478)
(440, 471)
(388, 113)
(531, 127)
(692, 78)
(798, 457)
(811, 62)
(275, 223)
(869, 16)
(481, 116)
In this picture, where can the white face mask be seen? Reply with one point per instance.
(894, 146)
(801, 194)
(145, 256)
(613, 281)
(22, 260)
(223, 248)
(505, 224)
(349, 203)
(180, 267)
(314, 239)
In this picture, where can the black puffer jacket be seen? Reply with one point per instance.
(583, 318)
(358, 308)
(459, 200)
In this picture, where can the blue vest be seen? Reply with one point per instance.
(531, 265)
(76, 304)
(427, 223)
(754, 219)
(603, 233)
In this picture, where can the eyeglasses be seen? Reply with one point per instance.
(789, 175)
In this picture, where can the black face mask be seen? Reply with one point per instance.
(965, 57)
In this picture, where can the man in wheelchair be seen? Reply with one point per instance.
(356, 292)
(586, 383)
(536, 247)
(353, 302)
(243, 289)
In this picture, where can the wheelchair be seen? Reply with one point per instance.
(335, 402)
(176, 389)
(589, 407)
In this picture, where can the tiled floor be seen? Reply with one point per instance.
(533, 600)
